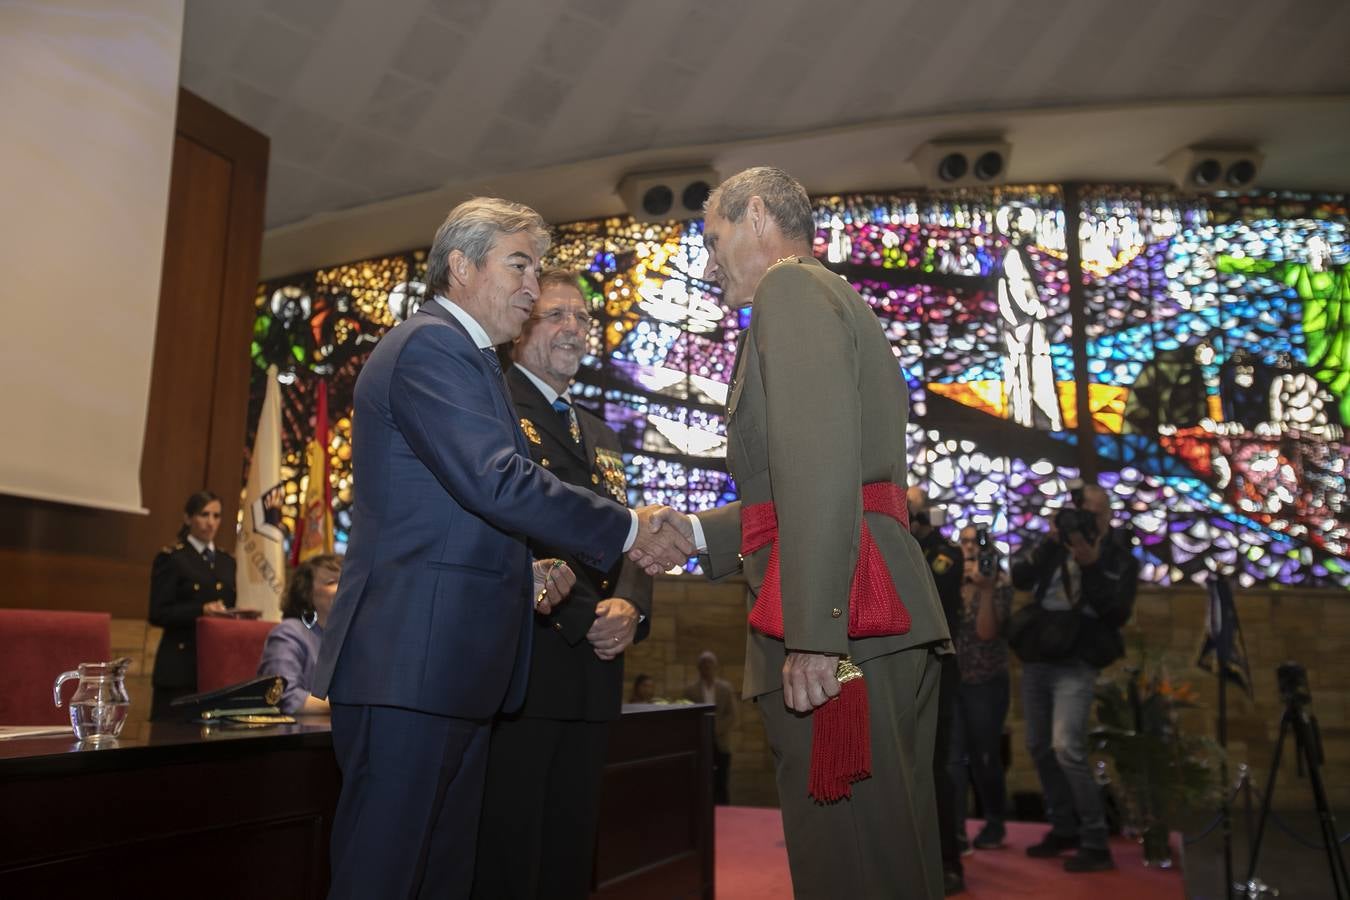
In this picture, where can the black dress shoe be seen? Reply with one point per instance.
(953, 882)
(1052, 845)
(990, 838)
(1089, 860)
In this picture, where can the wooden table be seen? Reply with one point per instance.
(185, 812)
(204, 813)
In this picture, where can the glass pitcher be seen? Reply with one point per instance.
(99, 707)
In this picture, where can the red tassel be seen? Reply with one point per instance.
(841, 739)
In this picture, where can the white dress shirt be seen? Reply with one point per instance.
(199, 546)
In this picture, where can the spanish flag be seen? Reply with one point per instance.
(314, 525)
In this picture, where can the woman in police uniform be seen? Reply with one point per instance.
(190, 578)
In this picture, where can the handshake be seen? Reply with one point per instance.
(665, 539)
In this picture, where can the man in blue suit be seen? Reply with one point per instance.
(430, 632)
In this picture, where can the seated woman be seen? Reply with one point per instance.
(292, 648)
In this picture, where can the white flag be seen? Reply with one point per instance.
(261, 574)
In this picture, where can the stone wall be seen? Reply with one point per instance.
(691, 615)
(1312, 627)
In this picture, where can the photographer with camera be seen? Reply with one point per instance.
(1082, 577)
(983, 695)
(945, 560)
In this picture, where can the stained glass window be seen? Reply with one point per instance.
(1214, 335)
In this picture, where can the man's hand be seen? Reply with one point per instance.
(809, 680)
(214, 608)
(616, 621)
(553, 581)
(665, 539)
(973, 575)
(1086, 554)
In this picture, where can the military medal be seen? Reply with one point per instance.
(531, 433)
(610, 465)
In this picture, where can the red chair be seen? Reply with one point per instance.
(36, 645)
(228, 650)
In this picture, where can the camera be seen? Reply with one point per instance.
(1293, 681)
(986, 553)
(1070, 520)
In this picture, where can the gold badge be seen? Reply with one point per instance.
(941, 563)
(274, 692)
(531, 433)
(610, 465)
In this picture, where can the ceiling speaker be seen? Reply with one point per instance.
(962, 163)
(659, 196)
(1209, 169)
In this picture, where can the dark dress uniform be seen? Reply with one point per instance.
(536, 836)
(948, 565)
(181, 583)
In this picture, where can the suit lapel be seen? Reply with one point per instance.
(495, 376)
(532, 405)
(197, 563)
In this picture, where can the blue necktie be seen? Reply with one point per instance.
(564, 409)
(496, 366)
(210, 556)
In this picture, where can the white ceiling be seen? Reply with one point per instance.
(367, 101)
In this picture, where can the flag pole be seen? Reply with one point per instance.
(1223, 652)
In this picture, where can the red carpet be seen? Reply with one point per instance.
(752, 865)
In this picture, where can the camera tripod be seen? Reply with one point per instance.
(1308, 746)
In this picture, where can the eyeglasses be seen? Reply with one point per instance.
(584, 320)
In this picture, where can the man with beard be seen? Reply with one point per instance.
(536, 837)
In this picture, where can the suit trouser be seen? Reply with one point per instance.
(407, 818)
(540, 809)
(721, 777)
(882, 842)
(948, 685)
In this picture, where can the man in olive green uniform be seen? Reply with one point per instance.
(947, 562)
(816, 410)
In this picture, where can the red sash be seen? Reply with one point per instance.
(841, 746)
(874, 606)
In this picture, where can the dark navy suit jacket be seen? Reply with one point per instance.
(434, 607)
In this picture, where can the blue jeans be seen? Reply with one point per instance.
(1057, 701)
(975, 751)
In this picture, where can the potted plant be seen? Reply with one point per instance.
(1160, 769)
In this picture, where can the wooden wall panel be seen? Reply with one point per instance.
(54, 556)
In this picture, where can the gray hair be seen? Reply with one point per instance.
(784, 197)
(472, 228)
(556, 277)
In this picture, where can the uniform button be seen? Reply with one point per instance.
(182, 646)
(219, 585)
(740, 558)
(595, 479)
(196, 587)
(836, 613)
(604, 585)
(557, 626)
(544, 462)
